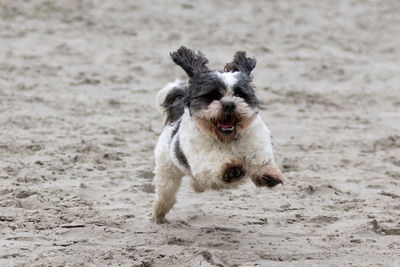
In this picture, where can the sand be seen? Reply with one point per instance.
(79, 124)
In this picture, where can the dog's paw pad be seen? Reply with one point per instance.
(267, 180)
(233, 173)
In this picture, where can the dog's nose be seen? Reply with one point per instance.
(228, 106)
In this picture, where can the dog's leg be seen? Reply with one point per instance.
(259, 163)
(168, 180)
(219, 175)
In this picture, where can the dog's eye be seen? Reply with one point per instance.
(240, 94)
(213, 95)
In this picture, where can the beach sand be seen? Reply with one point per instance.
(78, 122)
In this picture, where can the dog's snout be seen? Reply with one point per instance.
(228, 106)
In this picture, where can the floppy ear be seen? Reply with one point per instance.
(190, 62)
(241, 63)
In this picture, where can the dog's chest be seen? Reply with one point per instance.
(204, 152)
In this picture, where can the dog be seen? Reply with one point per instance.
(213, 132)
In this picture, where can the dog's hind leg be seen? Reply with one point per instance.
(168, 179)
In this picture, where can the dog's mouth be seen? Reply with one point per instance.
(227, 126)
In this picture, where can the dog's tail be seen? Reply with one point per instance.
(170, 99)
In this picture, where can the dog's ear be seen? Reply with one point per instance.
(241, 63)
(190, 62)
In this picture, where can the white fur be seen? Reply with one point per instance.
(229, 78)
(205, 154)
(167, 176)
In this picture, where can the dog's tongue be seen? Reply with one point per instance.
(225, 125)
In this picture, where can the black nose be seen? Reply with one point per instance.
(228, 106)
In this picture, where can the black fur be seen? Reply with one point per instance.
(241, 63)
(204, 85)
(177, 125)
(204, 88)
(245, 90)
(190, 62)
(179, 154)
(174, 104)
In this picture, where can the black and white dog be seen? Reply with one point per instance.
(213, 131)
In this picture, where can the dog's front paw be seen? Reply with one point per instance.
(269, 178)
(233, 171)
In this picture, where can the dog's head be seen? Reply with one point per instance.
(222, 103)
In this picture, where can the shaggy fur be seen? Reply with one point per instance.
(213, 131)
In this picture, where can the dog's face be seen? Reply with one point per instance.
(221, 103)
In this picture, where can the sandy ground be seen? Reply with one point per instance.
(79, 125)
